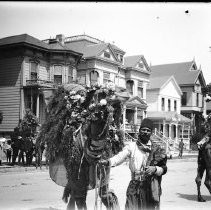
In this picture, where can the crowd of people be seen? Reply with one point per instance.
(18, 150)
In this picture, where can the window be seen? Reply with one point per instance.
(184, 99)
(94, 77)
(107, 55)
(167, 130)
(163, 104)
(70, 74)
(140, 92)
(140, 89)
(175, 106)
(130, 86)
(197, 99)
(58, 74)
(169, 105)
(140, 65)
(121, 58)
(34, 69)
(106, 77)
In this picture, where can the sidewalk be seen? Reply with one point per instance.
(186, 154)
(5, 167)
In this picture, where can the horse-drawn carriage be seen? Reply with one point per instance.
(83, 126)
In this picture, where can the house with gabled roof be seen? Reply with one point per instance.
(104, 62)
(191, 81)
(163, 100)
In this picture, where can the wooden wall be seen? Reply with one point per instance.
(10, 83)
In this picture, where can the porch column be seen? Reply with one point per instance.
(38, 106)
(170, 134)
(164, 128)
(124, 116)
(182, 129)
(135, 116)
(22, 107)
(177, 132)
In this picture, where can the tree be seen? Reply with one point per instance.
(29, 123)
(206, 91)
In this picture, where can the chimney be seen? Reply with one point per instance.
(60, 38)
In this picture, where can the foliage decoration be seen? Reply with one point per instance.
(71, 107)
(29, 123)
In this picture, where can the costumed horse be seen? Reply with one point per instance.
(78, 134)
(204, 162)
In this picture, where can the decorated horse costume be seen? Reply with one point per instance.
(78, 132)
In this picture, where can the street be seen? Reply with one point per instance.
(31, 189)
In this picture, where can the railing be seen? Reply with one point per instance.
(41, 83)
(162, 140)
(131, 128)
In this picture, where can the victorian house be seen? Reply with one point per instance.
(104, 62)
(191, 82)
(29, 71)
(163, 100)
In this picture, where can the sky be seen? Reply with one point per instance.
(162, 32)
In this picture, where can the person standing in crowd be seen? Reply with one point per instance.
(147, 163)
(8, 151)
(181, 147)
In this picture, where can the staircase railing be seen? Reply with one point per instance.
(163, 140)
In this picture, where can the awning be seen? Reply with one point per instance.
(168, 116)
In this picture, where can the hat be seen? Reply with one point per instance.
(146, 123)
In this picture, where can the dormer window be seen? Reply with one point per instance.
(107, 55)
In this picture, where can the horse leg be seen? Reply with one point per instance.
(81, 203)
(71, 203)
(208, 180)
(198, 179)
(108, 198)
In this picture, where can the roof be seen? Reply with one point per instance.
(88, 50)
(181, 72)
(117, 48)
(157, 82)
(131, 61)
(25, 38)
(160, 82)
(94, 50)
(168, 116)
(22, 38)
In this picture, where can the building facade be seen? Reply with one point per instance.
(164, 99)
(29, 71)
(191, 82)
